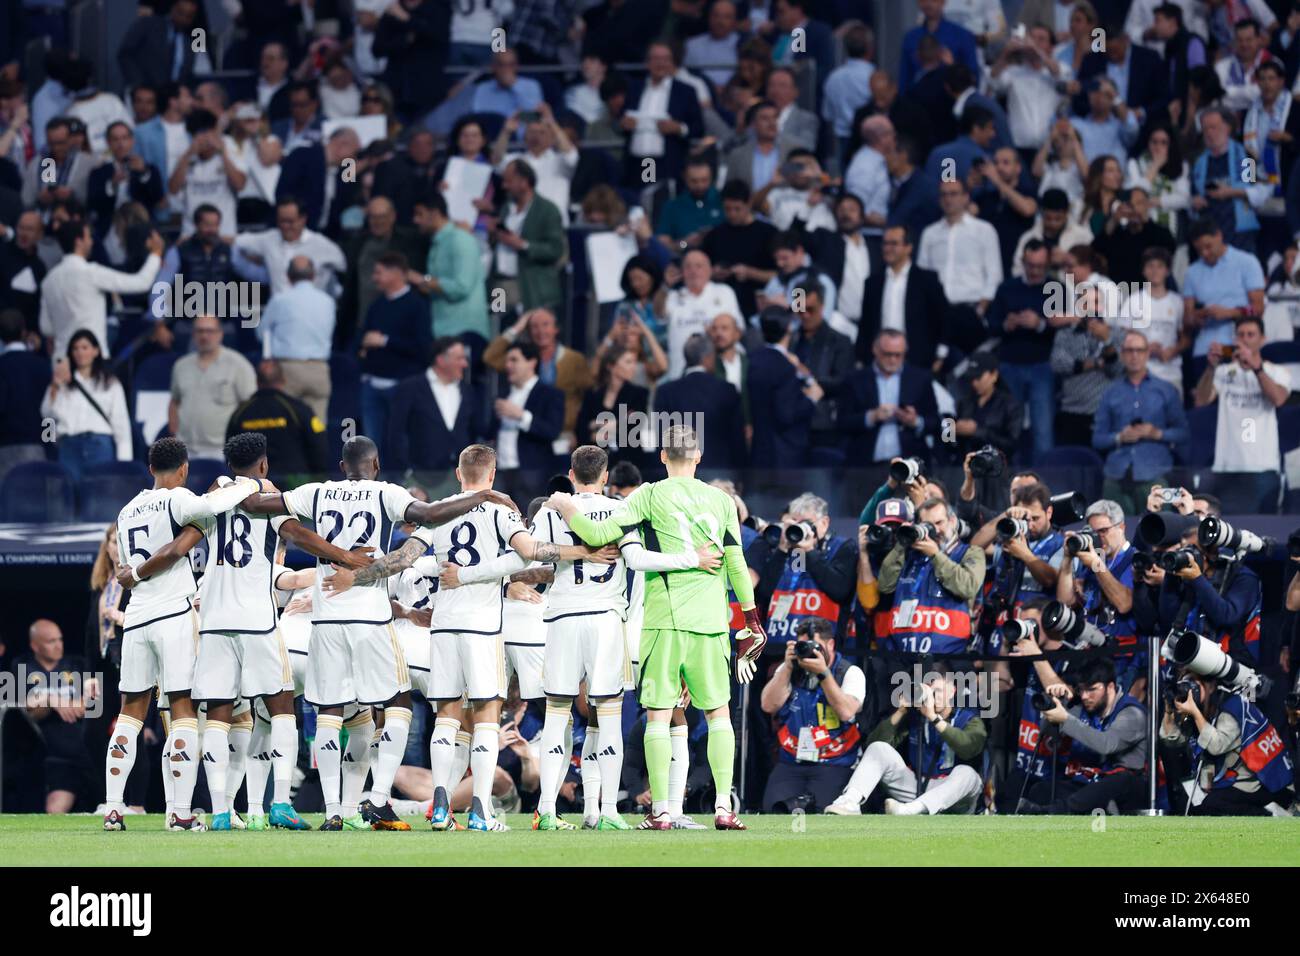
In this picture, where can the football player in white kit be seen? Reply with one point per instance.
(241, 653)
(585, 614)
(467, 656)
(160, 634)
(355, 654)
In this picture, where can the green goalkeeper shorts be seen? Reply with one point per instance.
(670, 658)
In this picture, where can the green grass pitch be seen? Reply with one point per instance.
(771, 841)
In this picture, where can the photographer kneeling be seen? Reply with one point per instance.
(1108, 734)
(804, 571)
(1242, 760)
(815, 695)
(923, 753)
(935, 578)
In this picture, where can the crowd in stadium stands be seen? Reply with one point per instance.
(1062, 229)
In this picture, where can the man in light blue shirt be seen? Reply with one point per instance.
(1223, 285)
(297, 330)
(507, 93)
(848, 88)
(53, 98)
(717, 45)
(1110, 128)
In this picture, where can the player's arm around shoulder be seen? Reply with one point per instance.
(164, 558)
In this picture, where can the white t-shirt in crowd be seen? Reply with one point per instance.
(1246, 439)
(206, 182)
(688, 314)
(1161, 321)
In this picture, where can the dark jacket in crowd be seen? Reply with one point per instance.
(717, 405)
(828, 355)
(416, 48)
(302, 176)
(144, 187)
(417, 435)
(779, 411)
(546, 402)
(24, 377)
(405, 320)
(860, 395)
(924, 306)
(998, 422)
(295, 437)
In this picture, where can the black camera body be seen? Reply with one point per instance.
(1181, 690)
(806, 649)
(1043, 701)
(880, 536)
(1143, 562)
(1175, 561)
(987, 462)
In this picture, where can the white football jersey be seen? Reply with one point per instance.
(351, 513)
(149, 522)
(416, 586)
(524, 623)
(478, 535)
(239, 577)
(582, 587)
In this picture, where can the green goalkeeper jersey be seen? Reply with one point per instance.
(675, 515)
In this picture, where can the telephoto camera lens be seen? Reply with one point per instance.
(1142, 563)
(1073, 628)
(1175, 561)
(1217, 533)
(905, 470)
(1202, 656)
(1068, 508)
(798, 531)
(1017, 630)
(772, 535)
(1009, 528)
(1077, 541)
(986, 463)
(909, 534)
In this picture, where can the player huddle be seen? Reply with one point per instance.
(640, 582)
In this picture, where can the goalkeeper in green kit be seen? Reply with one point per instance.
(684, 636)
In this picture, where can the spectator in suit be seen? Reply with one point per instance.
(824, 357)
(24, 377)
(124, 177)
(781, 405)
(557, 365)
(793, 122)
(302, 127)
(1142, 84)
(408, 176)
(305, 175)
(394, 342)
(791, 15)
(670, 119)
(887, 408)
(530, 241)
(294, 433)
(755, 161)
(157, 49)
(529, 413)
(913, 198)
(162, 139)
(700, 396)
(731, 359)
(959, 83)
(905, 298)
(71, 169)
(847, 256)
(603, 416)
(436, 414)
(21, 267)
(298, 332)
(415, 36)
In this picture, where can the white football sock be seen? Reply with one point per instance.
(216, 761)
(185, 763)
(442, 752)
(259, 765)
(169, 784)
(609, 755)
(241, 735)
(392, 746)
(122, 748)
(554, 757)
(329, 760)
(483, 755)
(283, 740)
(355, 762)
(678, 737)
(590, 770)
(460, 760)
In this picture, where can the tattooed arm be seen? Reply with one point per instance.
(393, 563)
(540, 575)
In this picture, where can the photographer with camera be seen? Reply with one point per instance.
(977, 505)
(815, 696)
(1040, 750)
(1085, 359)
(1097, 580)
(924, 752)
(1239, 760)
(803, 570)
(1107, 731)
(934, 578)
(907, 479)
(1025, 553)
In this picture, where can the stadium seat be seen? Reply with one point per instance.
(1288, 428)
(154, 373)
(1075, 456)
(37, 491)
(203, 472)
(1202, 423)
(345, 387)
(100, 495)
(1286, 354)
